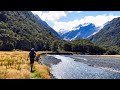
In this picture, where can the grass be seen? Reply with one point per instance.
(40, 72)
(14, 65)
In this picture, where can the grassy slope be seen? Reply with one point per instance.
(14, 65)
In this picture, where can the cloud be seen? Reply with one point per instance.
(37, 12)
(98, 20)
(74, 11)
(79, 11)
(52, 16)
(59, 26)
(70, 11)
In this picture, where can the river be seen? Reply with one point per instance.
(83, 66)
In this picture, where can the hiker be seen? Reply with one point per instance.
(32, 55)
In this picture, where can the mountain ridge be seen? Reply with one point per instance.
(109, 35)
(80, 31)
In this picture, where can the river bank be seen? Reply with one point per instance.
(48, 61)
(111, 55)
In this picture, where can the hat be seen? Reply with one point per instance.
(32, 49)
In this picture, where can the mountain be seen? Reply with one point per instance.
(23, 30)
(109, 35)
(47, 26)
(81, 31)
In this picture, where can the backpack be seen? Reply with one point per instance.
(32, 54)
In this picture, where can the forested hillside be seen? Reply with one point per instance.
(22, 30)
(83, 46)
(109, 37)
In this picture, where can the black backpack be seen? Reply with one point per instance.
(32, 54)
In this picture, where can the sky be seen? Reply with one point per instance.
(64, 21)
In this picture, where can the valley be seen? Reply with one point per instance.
(85, 47)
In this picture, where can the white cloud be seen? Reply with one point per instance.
(52, 16)
(65, 25)
(37, 12)
(79, 11)
(70, 11)
(74, 11)
(97, 20)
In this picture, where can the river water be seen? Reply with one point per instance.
(71, 68)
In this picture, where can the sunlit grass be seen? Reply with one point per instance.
(42, 71)
(14, 65)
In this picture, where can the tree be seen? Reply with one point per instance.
(113, 52)
(67, 47)
(54, 46)
(23, 44)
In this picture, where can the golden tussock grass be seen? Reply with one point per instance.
(14, 65)
(42, 71)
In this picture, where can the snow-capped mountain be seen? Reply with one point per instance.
(81, 31)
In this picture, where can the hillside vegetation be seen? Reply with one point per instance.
(22, 30)
(83, 46)
(109, 36)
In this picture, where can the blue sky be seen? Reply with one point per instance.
(66, 20)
